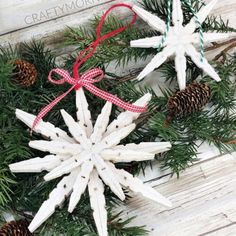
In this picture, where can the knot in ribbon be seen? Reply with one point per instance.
(87, 79)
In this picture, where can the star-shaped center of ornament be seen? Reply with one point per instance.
(180, 41)
(87, 158)
(177, 38)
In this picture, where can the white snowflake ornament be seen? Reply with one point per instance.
(88, 159)
(180, 41)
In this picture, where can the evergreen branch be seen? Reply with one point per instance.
(223, 93)
(44, 61)
(217, 24)
(6, 72)
(113, 49)
(5, 191)
(158, 8)
(119, 227)
(180, 157)
(8, 54)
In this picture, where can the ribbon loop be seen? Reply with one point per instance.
(82, 57)
(92, 76)
(65, 77)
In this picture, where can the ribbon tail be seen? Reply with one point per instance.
(115, 100)
(48, 108)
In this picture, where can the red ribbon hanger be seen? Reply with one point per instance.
(91, 76)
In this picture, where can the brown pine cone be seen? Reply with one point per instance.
(188, 101)
(25, 73)
(16, 228)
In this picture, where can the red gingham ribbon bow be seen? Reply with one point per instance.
(87, 79)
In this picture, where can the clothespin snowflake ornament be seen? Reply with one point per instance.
(87, 159)
(180, 41)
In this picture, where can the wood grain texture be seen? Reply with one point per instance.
(43, 22)
(22, 14)
(203, 202)
(226, 9)
(22, 20)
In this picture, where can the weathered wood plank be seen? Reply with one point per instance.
(203, 201)
(26, 13)
(154, 172)
(23, 20)
(228, 230)
(48, 28)
(45, 27)
(226, 9)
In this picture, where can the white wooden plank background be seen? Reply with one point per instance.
(23, 20)
(204, 197)
(203, 201)
(26, 13)
(20, 20)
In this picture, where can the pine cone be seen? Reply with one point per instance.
(25, 73)
(188, 101)
(16, 228)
